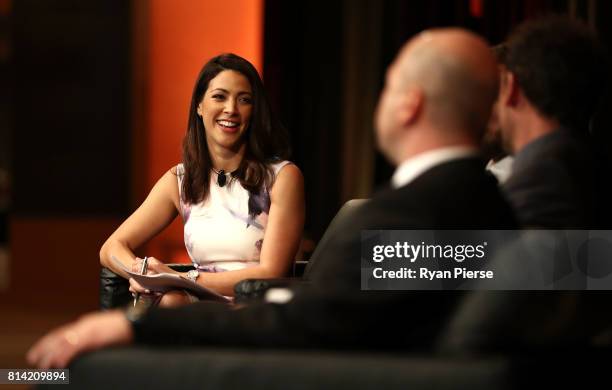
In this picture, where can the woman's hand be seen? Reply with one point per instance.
(92, 331)
(157, 267)
(135, 287)
(154, 266)
(137, 266)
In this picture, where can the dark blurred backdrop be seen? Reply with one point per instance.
(324, 64)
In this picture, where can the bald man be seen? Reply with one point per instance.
(431, 116)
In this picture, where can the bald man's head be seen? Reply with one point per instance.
(458, 75)
(455, 76)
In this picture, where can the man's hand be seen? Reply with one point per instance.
(90, 332)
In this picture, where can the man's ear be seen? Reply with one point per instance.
(510, 89)
(411, 106)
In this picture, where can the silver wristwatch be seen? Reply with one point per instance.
(193, 275)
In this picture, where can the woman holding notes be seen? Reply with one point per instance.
(241, 202)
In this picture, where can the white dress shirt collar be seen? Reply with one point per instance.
(415, 166)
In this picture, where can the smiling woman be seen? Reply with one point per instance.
(226, 110)
(241, 201)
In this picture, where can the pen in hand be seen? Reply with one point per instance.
(143, 270)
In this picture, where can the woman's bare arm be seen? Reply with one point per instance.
(157, 211)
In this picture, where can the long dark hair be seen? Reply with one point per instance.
(266, 139)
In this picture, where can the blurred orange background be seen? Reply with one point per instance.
(171, 42)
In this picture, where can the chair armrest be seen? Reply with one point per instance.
(114, 289)
(139, 367)
(181, 267)
(250, 290)
(299, 267)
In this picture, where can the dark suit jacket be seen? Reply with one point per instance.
(332, 311)
(552, 183)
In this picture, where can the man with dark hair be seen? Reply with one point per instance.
(551, 83)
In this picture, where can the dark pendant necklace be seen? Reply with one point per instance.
(221, 177)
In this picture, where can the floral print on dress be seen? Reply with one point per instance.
(185, 211)
(245, 219)
(257, 251)
(232, 218)
(258, 203)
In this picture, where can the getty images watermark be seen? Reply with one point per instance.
(486, 260)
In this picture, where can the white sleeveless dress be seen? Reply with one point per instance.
(226, 231)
